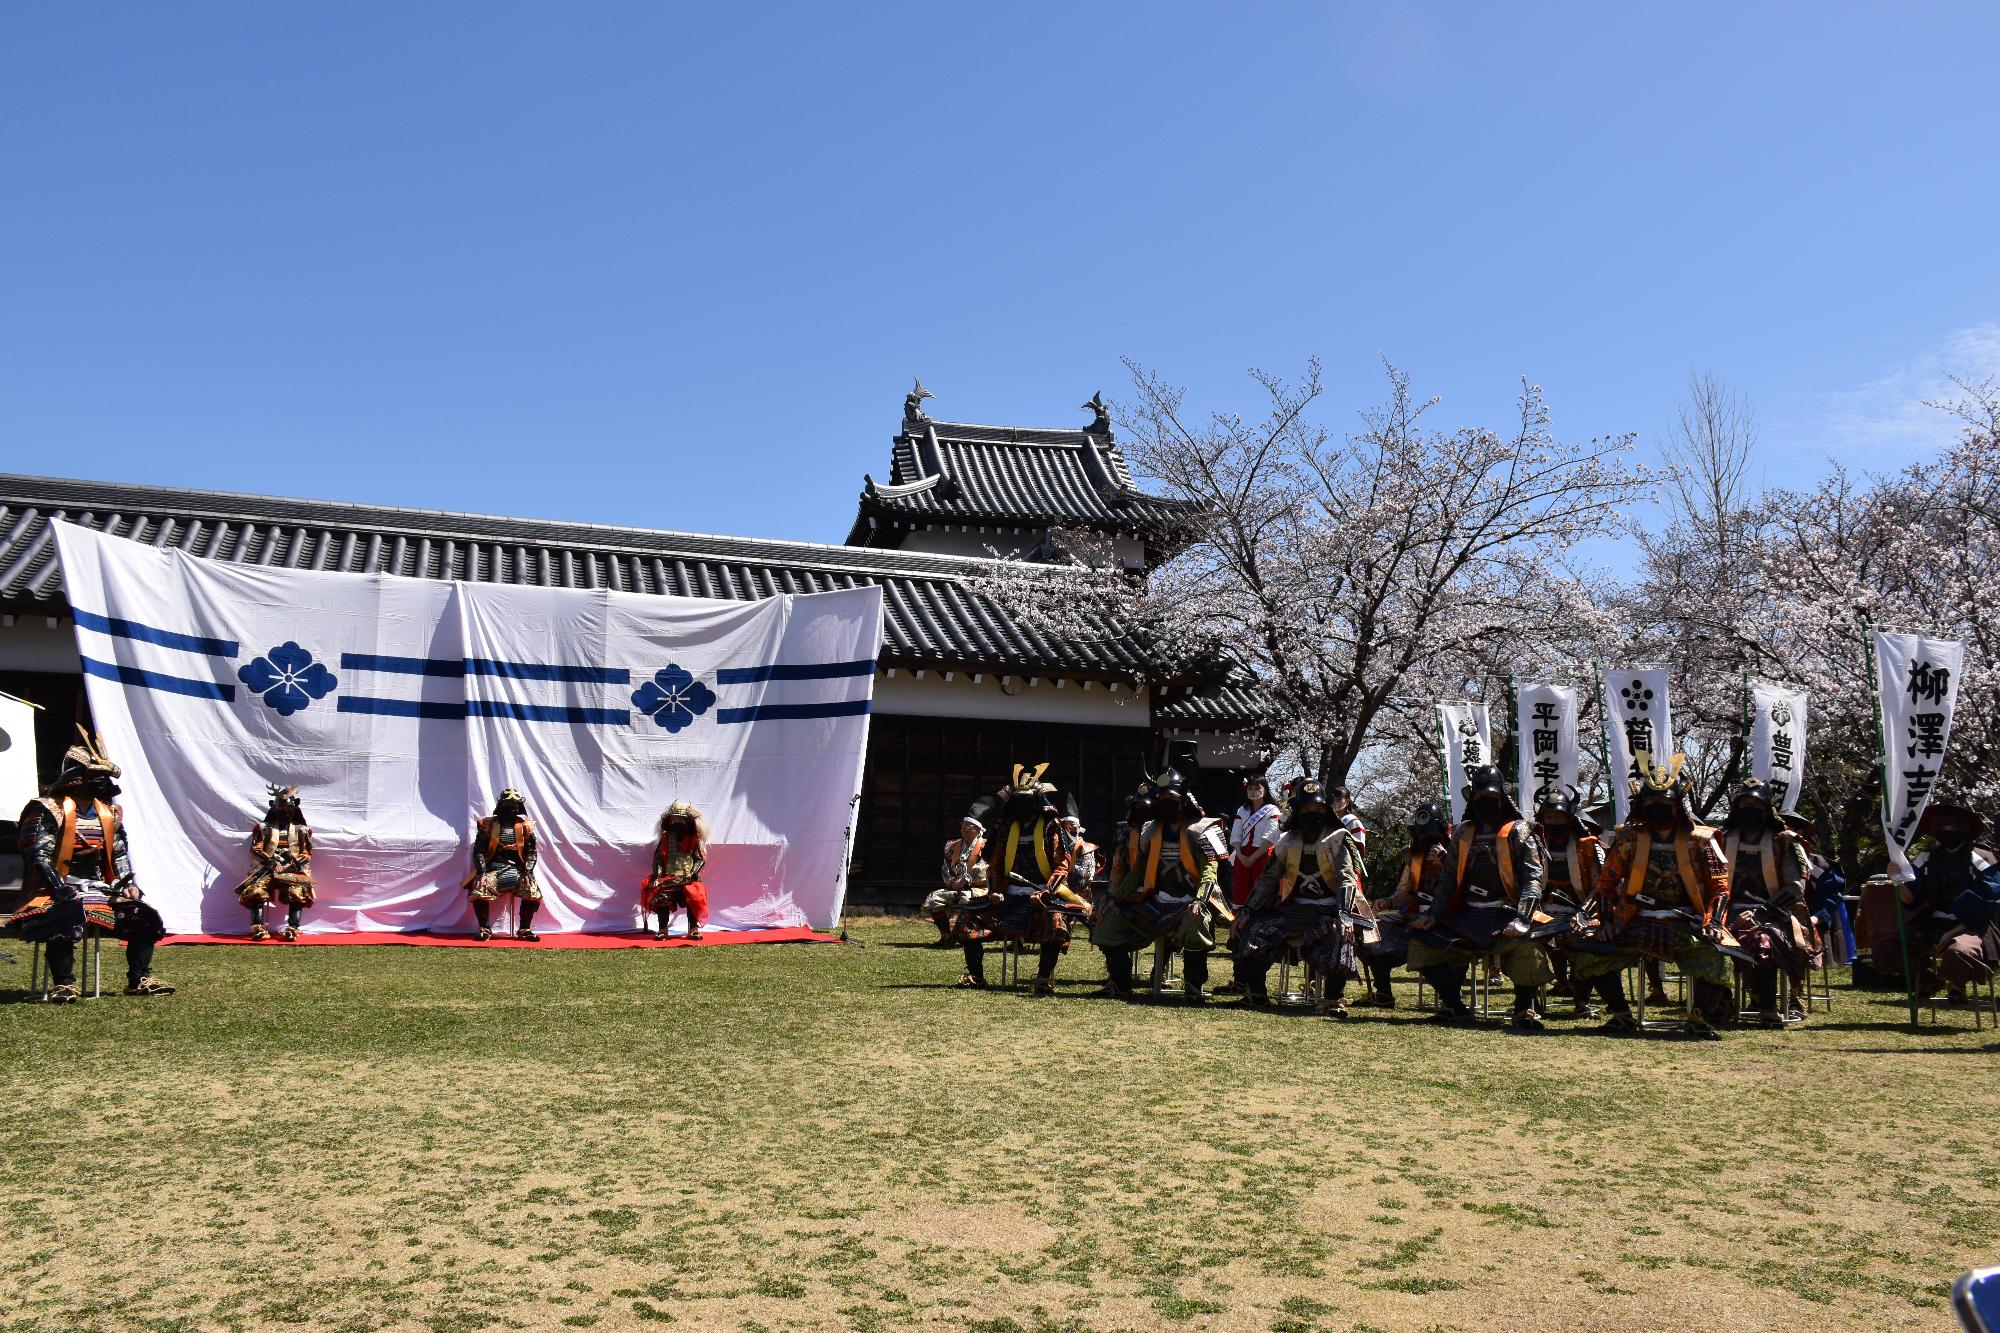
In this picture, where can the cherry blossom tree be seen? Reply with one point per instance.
(1359, 577)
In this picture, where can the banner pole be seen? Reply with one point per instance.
(1882, 780)
(1603, 742)
(1444, 760)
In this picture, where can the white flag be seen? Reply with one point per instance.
(17, 754)
(1778, 740)
(1545, 723)
(1468, 743)
(1919, 684)
(1637, 719)
(403, 706)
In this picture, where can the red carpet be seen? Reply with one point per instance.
(577, 940)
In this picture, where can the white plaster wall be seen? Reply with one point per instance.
(30, 644)
(933, 696)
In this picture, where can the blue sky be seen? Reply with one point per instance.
(675, 266)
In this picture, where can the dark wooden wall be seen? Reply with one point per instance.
(924, 772)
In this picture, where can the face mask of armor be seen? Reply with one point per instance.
(1556, 832)
(509, 810)
(1659, 814)
(1022, 807)
(1311, 823)
(1485, 809)
(1751, 818)
(1950, 835)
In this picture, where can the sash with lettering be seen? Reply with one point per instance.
(1919, 687)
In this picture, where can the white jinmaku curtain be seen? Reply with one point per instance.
(1778, 739)
(1467, 730)
(1638, 719)
(402, 707)
(1545, 725)
(1918, 678)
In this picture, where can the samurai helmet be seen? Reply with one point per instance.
(1028, 781)
(1430, 821)
(510, 796)
(1488, 780)
(1551, 799)
(1807, 831)
(281, 798)
(685, 812)
(85, 763)
(1657, 781)
(1937, 812)
(1758, 791)
(1302, 795)
(1170, 784)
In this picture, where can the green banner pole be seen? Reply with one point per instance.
(1603, 742)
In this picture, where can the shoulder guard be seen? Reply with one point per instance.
(1207, 835)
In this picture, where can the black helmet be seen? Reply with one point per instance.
(1430, 821)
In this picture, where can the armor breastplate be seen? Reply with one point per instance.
(1663, 875)
(1746, 877)
(1482, 868)
(509, 848)
(1558, 884)
(87, 860)
(1174, 881)
(1311, 885)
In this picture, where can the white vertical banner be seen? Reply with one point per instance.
(17, 754)
(1778, 739)
(1638, 719)
(1468, 742)
(1919, 687)
(1545, 723)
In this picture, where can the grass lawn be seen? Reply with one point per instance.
(813, 1136)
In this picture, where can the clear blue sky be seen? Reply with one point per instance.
(675, 265)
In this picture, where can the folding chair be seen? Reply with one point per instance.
(41, 981)
(1982, 1004)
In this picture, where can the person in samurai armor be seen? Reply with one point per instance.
(1950, 915)
(1664, 894)
(1309, 898)
(1082, 861)
(281, 848)
(1168, 891)
(1491, 889)
(503, 861)
(1028, 898)
(1413, 896)
(963, 855)
(1572, 857)
(1767, 900)
(678, 859)
(79, 873)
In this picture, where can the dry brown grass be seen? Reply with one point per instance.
(811, 1137)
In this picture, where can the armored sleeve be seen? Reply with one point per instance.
(120, 850)
(479, 847)
(1616, 869)
(531, 852)
(1793, 868)
(42, 846)
(1529, 868)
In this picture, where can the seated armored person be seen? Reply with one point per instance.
(1308, 899)
(678, 859)
(79, 872)
(1415, 892)
(1082, 863)
(1949, 908)
(1767, 900)
(280, 864)
(961, 855)
(1663, 894)
(503, 861)
(1492, 887)
(1168, 890)
(1028, 897)
(1571, 859)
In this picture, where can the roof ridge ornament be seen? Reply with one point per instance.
(913, 403)
(1100, 414)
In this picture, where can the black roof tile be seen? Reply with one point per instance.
(934, 611)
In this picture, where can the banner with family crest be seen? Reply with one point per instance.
(1545, 723)
(1778, 740)
(1467, 729)
(1638, 719)
(401, 707)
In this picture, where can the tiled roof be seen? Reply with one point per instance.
(934, 612)
(947, 472)
(1229, 706)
